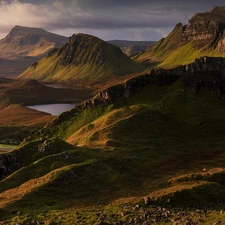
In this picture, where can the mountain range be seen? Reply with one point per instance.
(84, 60)
(147, 149)
(23, 46)
(204, 35)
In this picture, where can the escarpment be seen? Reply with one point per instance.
(205, 72)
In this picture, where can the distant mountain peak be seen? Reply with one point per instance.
(83, 49)
(29, 41)
(84, 59)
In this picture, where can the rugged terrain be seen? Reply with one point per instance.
(204, 35)
(132, 47)
(149, 150)
(23, 46)
(84, 61)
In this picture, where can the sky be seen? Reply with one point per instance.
(138, 20)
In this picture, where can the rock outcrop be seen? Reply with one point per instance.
(221, 43)
(205, 29)
(204, 35)
(205, 72)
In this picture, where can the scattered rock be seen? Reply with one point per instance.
(147, 200)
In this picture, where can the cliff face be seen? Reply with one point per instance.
(206, 29)
(204, 35)
(201, 31)
(83, 49)
(215, 67)
(205, 72)
(221, 43)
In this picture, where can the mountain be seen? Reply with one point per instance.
(132, 47)
(84, 60)
(27, 41)
(149, 150)
(23, 46)
(204, 35)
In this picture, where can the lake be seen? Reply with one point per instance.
(53, 109)
(58, 86)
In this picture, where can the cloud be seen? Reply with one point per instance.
(104, 18)
(59, 5)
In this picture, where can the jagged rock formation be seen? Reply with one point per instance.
(83, 59)
(206, 29)
(203, 35)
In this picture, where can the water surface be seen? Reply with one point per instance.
(53, 109)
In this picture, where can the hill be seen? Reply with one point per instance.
(84, 60)
(204, 35)
(149, 150)
(24, 45)
(132, 47)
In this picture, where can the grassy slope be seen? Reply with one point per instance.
(181, 56)
(167, 53)
(49, 69)
(17, 115)
(161, 133)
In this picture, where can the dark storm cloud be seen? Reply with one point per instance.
(100, 16)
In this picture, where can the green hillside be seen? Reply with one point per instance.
(84, 60)
(159, 135)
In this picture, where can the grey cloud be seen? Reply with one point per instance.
(123, 18)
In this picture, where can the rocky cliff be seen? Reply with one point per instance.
(203, 35)
(205, 29)
(207, 72)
